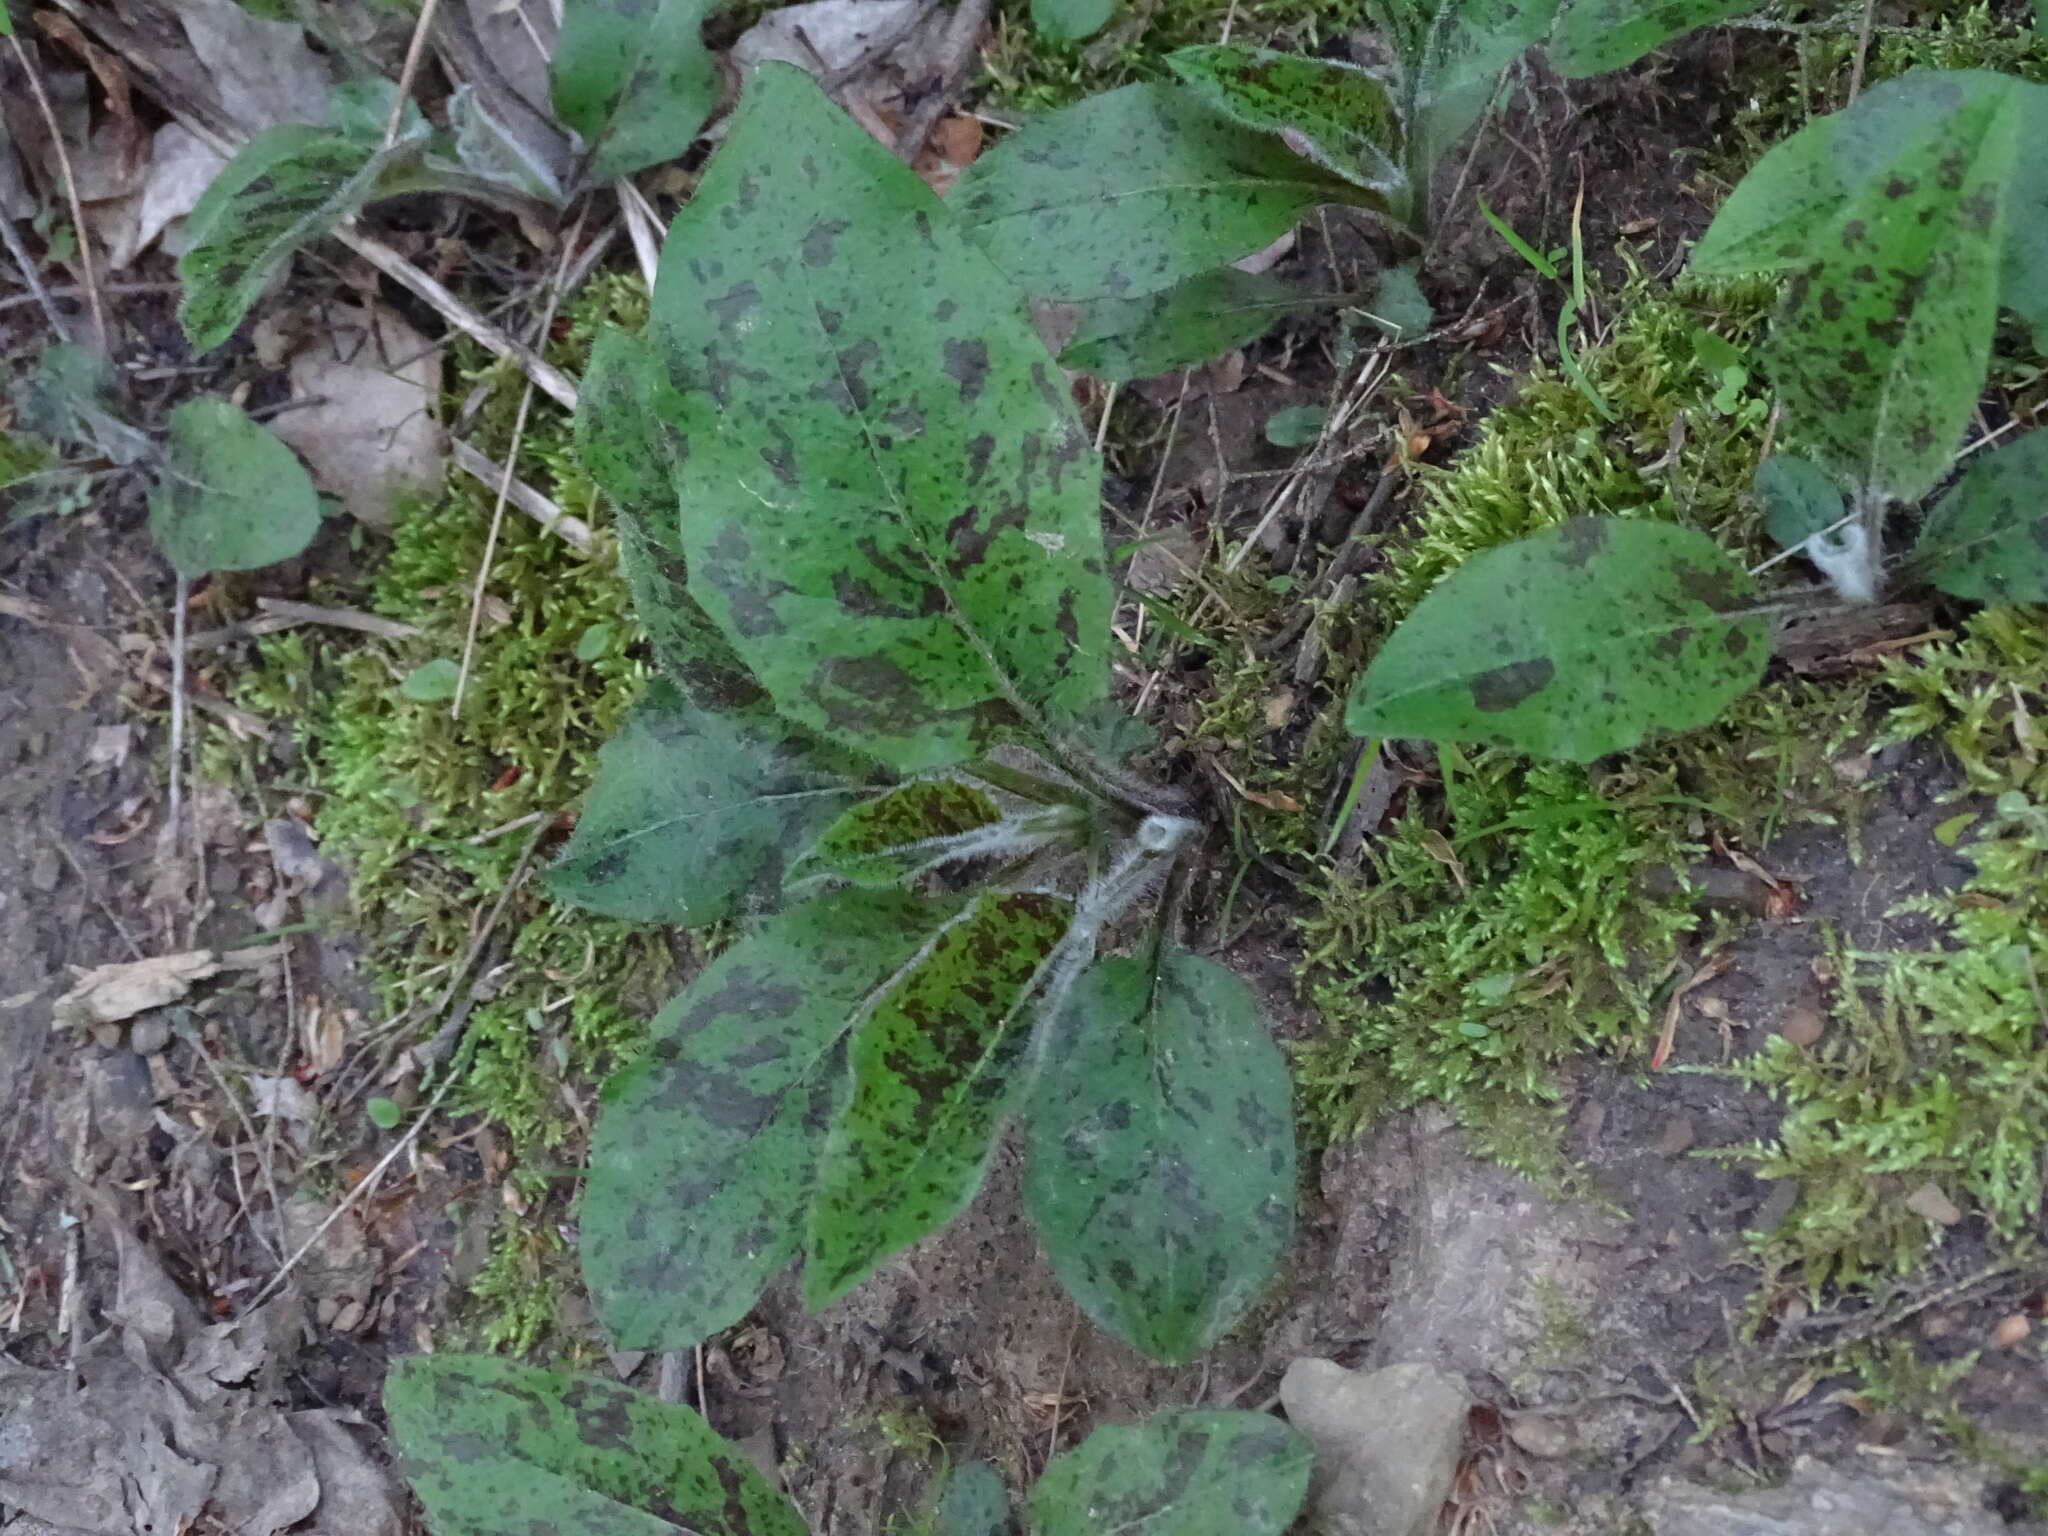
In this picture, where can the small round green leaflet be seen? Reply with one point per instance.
(1799, 499)
(431, 682)
(1295, 426)
(1161, 1172)
(493, 1448)
(1574, 643)
(1191, 1473)
(231, 497)
(1987, 539)
(383, 1113)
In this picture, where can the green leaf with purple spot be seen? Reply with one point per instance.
(696, 809)
(1987, 539)
(1192, 1472)
(492, 1447)
(886, 840)
(1574, 643)
(1186, 324)
(1162, 1162)
(893, 507)
(936, 1065)
(1591, 37)
(1130, 192)
(634, 78)
(705, 1152)
(1451, 55)
(1338, 115)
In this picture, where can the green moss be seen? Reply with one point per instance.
(1896, 1380)
(1033, 74)
(516, 1295)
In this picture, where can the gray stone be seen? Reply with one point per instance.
(1888, 1498)
(1387, 1444)
(149, 1034)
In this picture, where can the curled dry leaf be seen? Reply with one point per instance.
(367, 426)
(107, 994)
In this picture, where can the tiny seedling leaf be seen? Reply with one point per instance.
(231, 497)
(1398, 306)
(1295, 426)
(594, 642)
(383, 1113)
(974, 1503)
(936, 1067)
(696, 809)
(1068, 21)
(1592, 37)
(1181, 326)
(892, 502)
(1338, 115)
(1189, 1473)
(1161, 1172)
(431, 682)
(704, 1154)
(1987, 539)
(285, 187)
(1798, 498)
(1574, 643)
(886, 840)
(1130, 192)
(634, 78)
(492, 1447)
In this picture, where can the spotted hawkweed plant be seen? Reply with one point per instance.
(1901, 226)
(860, 520)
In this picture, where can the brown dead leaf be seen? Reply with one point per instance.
(952, 147)
(107, 994)
(1438, 847)
(368, 426)
(2011, 1331)
(326, 1037)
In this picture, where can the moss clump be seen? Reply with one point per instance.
(1031, 73)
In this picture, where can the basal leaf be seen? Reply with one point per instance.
(1594, 36)
(1161, 1173)
(1881, 343)
(1799, 499)
(492, 1447)
(974, 1503)
(1130, 192)
(704, 1155)
(1399, 306)
(287, 186)
(1068, 21)
(1181, 326)
(1574, 643)
(886, 840)
(231, 497)
(634, 78)
(892, 504)
(1451, 54)
(2023, 278)
(695, 809)
(935, 1068)
(69, 395)
(488, 146)
(1338, 115)
(1987, 539)
(1190, 1473)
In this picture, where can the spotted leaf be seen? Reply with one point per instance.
(895, 835)
(1593, 36)
(634, 78)
(1132, 191)
(1902, 223)
(231, 496)
(1161, 1172)
(695, 809)
(892, 504)
(936, 1065)
(704, 1154)
(1186, 324)
(1338, 115)
(1574, 643)
(1799, 499)
(1987, 539)
(287, 186)
(1188, 1473)
(493, 1447)
(1451, 54)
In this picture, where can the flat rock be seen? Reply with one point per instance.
(1818, 1500)
(1387, 1444)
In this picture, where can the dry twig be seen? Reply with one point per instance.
(86, 274)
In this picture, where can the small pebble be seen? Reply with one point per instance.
(149, 1034)
(1802, 1026)
(349, 1317)
(2011, 1331)
(1929, 1201)
(1541, 1436)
